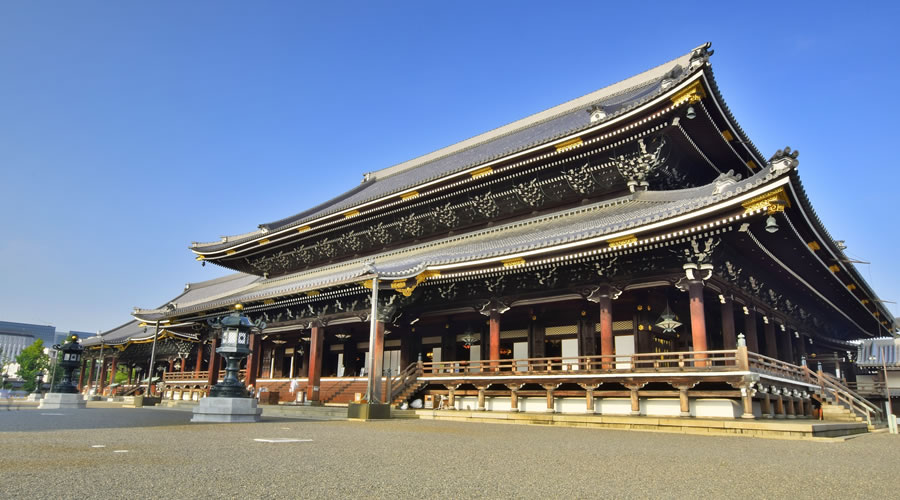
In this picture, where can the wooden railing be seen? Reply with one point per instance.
(202, 375)
(875, 388)
(641, 362)
(764, 364)
(404, 380)
(832, 389)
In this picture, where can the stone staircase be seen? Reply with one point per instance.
(839, 413)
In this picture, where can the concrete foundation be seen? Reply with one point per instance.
(368, 411)
(59, 401)
(227, 410)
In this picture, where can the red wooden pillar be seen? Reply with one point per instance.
(81, 374)
(729, 338)
(213, 376)
(103, 368)
(252, 360)
(377, 362)
(90, 379)
(698, 320)
(183, 365)
(750, 330)
(199, 364)
(171, 365)
(771, 341)
(607, 342)
(316, 344)
(112, 370)
(494, 338)
(788, 344)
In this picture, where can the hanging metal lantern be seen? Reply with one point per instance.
(469, 338)
(667, 321)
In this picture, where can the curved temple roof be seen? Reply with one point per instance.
(554, 123)
(582, 226)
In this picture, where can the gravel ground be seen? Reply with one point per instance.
(43, 455)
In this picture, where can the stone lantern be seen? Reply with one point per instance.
(65, 394)
(68, 359)
(229, 400)
(235, 346)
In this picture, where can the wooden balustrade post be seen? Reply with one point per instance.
(747, 401)
(481, 389)
(779, 404)
(589, 395)
(767, 405)
(742, 355)
(451, 396)
(808, 406)
(550, 388)
(789, 407)
(683, 400)
(514, 396)
(635, 400)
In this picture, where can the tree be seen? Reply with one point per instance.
(32, 361)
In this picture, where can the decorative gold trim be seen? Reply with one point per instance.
(622, 241)
(231, 252)
(851, 287)
(877, 314)
(303, 229)
(571, 143)
(692, 93)
(814, 246)
(263, 242)
(200, 257)
(367, 284)
(269, 302)
(727, 135)
(834, 268)
(313, 293)
(481, 172)
(410, 195)
(352, 213)
(751, 164)
(513, 262)
(773, 201)
(407, 286)
(864, 301)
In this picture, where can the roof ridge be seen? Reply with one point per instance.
(612, 90)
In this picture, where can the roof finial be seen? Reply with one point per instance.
(700, 56)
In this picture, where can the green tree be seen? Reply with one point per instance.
(31, 361)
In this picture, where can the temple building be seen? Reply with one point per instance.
(626, 252)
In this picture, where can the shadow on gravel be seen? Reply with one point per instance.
(36, 420)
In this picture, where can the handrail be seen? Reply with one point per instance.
(844, 395)
(638, 362)
(403, 380)
(774, 366)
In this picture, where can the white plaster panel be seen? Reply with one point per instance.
(716, 408)
(613, 406)
(661, 407)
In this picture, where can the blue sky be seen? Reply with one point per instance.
(129, 129)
